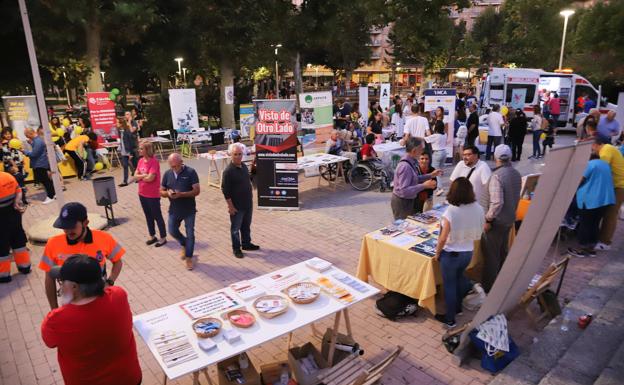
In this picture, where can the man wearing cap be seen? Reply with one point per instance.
(79, 239)
(92, 330)
(12, 236)
(612, 156)
(500, 199)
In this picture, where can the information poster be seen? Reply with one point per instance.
(246, 120)
(21, 113)
(101, 111)
(445, 98)
(229, 94)
(183, 109)
(517, 98)
(316, 116)
(276, 154)
(363, 103)
(384, 96)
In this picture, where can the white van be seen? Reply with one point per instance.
(502, 85)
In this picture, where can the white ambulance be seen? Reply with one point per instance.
(524, 87)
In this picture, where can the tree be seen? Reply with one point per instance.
(486, 37)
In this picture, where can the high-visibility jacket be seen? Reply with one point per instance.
(8, 189)
(12, 237)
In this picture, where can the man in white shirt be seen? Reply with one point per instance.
(495, 134)
(477, 172)
(416, 126)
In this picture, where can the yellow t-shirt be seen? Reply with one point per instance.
(613, 156)
(72, 145)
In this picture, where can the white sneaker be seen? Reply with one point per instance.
(48, 200)
(602, 247)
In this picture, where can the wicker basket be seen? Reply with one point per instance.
(240, 312)
(271, 298)
(210, 334)
(309, 285)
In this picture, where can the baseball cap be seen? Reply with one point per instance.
(78, 268)
(502, 151)
(71, 213)
(603, 139)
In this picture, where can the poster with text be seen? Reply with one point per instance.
(229, 94)
(246, 112)
(445, 98)
(102, 112)
(21, 113)
(276, 154)
(183, 110)
(384, 96)
(316, 116)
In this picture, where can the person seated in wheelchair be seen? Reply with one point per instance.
(335, 143)
(368, 153)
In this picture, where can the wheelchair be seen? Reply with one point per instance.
(364, 174)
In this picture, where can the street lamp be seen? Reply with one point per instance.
(179, 60)
(277, 46)
(566, 13)
(184, 75)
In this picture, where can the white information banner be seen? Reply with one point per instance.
(384, 96)
(445, 98)
(363, 100)
(229, 94)
(183, 109)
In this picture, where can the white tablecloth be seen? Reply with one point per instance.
(390, 153)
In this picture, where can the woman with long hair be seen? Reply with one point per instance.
(438, 148)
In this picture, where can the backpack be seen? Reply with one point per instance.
(394, 305)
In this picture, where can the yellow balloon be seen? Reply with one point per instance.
(66, 122)
(504, 110)
(78, 130)
(60, 132)
(98, 166)
(15, 144)
(54, 138)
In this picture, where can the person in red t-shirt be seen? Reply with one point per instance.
(92, 330)
(367, 151)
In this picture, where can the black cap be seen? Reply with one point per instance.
(71, 213)
(78, 268)
(602, 139)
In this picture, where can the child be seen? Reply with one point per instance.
(549, 136)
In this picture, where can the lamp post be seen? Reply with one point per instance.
(179, 60)
(566, 13)
(277, 46)
(184, 75)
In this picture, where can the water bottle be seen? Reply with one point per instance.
(566, 321)
(284, 377)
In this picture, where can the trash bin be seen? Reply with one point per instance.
(105, 192)
(217, 138)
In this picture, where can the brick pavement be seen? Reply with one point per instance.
(329, 225)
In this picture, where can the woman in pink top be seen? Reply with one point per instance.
(148, 177)
(554, 106)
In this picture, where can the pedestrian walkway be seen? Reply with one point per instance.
(329, 225)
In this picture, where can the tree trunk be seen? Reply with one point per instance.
(227, 79)
(92, 34)
(348, 75)
(298, 78)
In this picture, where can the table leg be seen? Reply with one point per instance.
(165, 380)
(334, 337)
(205, 371)
(116, 154)
(196, 378)
(289, 343)
(315, 332)
(347, 322)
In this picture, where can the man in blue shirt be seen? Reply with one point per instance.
(608, 126)
(588, 104)
(39, 163)
(595, 193)
(181, 185)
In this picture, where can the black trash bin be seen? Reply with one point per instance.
(106, 195)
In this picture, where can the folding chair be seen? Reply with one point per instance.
(165, 137)
(353, 370)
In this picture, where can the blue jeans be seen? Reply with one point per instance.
(438, 160)
(240, 227)
(151, 209)
(536, 143)
(492, 142)
(188, 241)
(456, 285)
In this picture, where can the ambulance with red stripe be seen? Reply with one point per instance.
(526, 87)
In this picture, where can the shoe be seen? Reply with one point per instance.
(442, 318)
(161, 242)
(151, 241)
(48, 200)
(189, 264)
(24, 270)
(531, 157)
(579, 253)
(238, 253)
(183, 254)
(6, 279)
(602, 247)
(122, 184)
(251, 247)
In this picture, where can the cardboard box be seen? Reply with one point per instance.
(295, 354)
(270, 373)
(250, 374)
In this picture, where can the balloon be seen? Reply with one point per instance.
(98, 166)
(55, 138)
(15, 144)
(60, 132)
(78, 130)
(66, 122)
(112, 96)
(504, 110)
(115, 91)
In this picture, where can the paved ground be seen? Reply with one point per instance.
(329, 225)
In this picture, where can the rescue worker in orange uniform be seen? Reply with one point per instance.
(78, 238)
(12, 236)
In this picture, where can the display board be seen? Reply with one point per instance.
(183, 109)
(556, 188)
(384, 96)
(276, 154)
(316, 115)
(21, 113)
(517, 98)
(445, 98)
(101, 112)
(246, 120)
(363, 103)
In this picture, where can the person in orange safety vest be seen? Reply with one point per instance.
(12, 236)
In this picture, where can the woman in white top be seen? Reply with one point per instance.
(398, 120)
(462, 224)
(536, 127)
(438, 148)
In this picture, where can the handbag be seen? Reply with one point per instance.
(494, 330)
